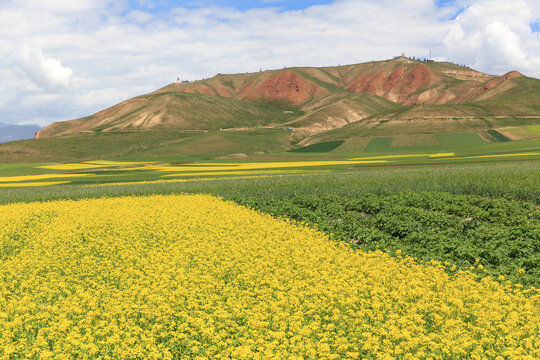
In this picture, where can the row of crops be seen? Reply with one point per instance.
(511, 180)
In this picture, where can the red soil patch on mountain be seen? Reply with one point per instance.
(199, 89)
(203, 89)
(393, 79)
(406, 83)
(497, 81)
(417, 78)
(375, 84)
(224, 91)
(367, 83)
(245, 88)
(287, 87)
(400, 85)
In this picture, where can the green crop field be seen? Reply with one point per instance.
(379, 144)
(497, 136)
(460, 140)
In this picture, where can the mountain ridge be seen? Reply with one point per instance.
(383, 98)
(12, 132)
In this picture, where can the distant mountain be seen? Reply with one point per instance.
(17, 132)
(316, 100)
(408, 101)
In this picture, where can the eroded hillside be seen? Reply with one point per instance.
(384, 98)
(324, 98)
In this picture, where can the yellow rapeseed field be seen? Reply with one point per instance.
(242, 172)
(196, 277)
(437, 155)
(259, 165)
(499, 155)
(90, 165)
(32, 184)
(7, 179)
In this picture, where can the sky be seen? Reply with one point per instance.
(61, 60)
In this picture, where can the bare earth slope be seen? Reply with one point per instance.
(371, 99)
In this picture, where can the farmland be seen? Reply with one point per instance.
(388, 252)
(193, 276)
(459, 148)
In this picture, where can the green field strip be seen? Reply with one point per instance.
(497, 135)
(321, 147)
(461, 140)
(379, 144)
(487, 136)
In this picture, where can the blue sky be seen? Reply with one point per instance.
(59, 68)
(163, 5)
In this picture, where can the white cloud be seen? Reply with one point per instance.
(57, 7)
(495, 36)
(139, 17)
(84, 55)
(46, 72)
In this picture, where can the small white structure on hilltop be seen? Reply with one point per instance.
(178, 80)
(402, 56)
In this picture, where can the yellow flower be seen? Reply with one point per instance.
(193, 276)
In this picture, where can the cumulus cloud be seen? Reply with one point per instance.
(46, 72)
(496, 36)
(84, 55)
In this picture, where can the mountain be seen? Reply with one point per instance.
(319, 98)
(278, 110)
(17, 132)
